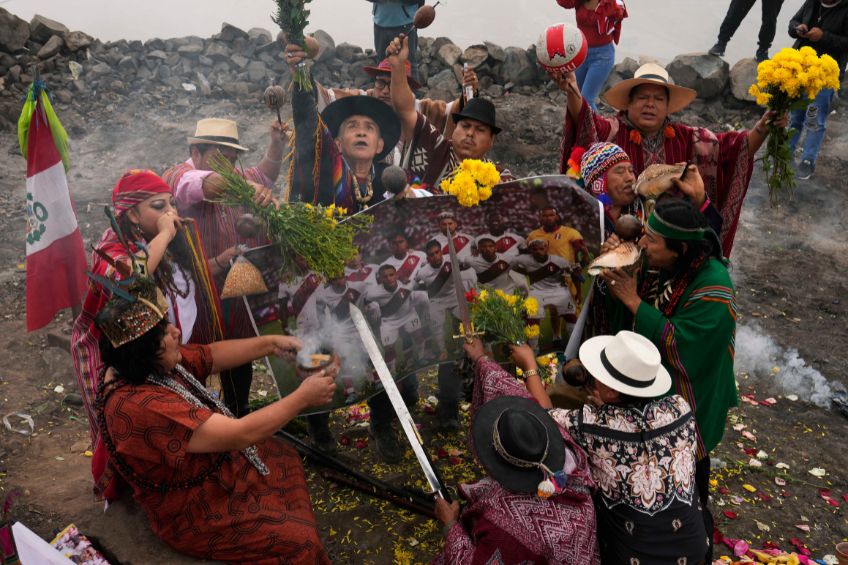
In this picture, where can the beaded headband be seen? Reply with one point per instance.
(122, 320)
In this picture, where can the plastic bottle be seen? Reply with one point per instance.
(467, 90)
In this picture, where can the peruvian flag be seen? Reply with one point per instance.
(55, 256)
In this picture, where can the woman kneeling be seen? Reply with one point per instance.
(212, 486)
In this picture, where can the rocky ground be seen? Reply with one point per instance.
(789, 265)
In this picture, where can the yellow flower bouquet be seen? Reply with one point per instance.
(789, 81)
(472, 182)
(321, 235)
(500, 317)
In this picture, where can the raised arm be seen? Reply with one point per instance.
(403, 99)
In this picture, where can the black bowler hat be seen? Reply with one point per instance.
(478, 109)
(514, 438)
(382, 114)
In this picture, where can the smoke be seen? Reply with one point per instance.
(759, 355)
(340, 337)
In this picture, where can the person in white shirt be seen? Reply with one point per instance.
(508, 244)
(492, 268)
(547, 276)
(405, 261)
(435, 277)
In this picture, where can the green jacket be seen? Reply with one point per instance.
(697, 346)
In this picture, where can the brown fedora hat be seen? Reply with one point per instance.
(650, 73)
(217, 131)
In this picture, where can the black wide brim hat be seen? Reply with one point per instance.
(478, 109)
(512, 477)
(382, 114)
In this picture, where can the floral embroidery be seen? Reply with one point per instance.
(644, 458)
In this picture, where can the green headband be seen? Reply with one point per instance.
(669, 231)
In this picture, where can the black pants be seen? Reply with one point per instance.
(702, 483)
(739, 9)
(236, 386)
(384, 35)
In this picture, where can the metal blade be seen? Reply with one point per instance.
(464, 314)
(406, 421)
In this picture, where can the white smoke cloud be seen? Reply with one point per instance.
(758, 354)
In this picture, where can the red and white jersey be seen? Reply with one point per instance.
(395, 305)
(507, 244)
(462, 242)
(407, 266)
(438, 282)
(300, 295)
(365, 274)
(546, 276)
(335, 304)
(495, 274)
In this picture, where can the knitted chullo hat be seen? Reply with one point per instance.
(595, 163)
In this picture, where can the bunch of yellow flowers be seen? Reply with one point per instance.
(501, 316)
(789, 81)
(472, 182)
(793, 73)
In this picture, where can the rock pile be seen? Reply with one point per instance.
(236, 63)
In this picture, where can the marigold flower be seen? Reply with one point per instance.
(532, 331)
(531, 306)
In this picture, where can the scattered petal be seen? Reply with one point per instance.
(779, 482)
(739, 427)
(755, 463)
(803, 527)
(59, 389)
(749, 488)
(762, 455)
(730, 514)
(817, 472)
(749, 436)
(792, 397)
(762, 526)
(782, 466)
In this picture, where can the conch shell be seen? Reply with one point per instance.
(657, 179)
(625, 255)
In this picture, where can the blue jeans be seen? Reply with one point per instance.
(812, 120)
(593, 73)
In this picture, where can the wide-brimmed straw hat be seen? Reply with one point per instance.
(382, 114)
(627, 362)
(384, 69)
(650, 73)
(515, 439)
(217, 131)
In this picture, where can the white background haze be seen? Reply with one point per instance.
(658, 29)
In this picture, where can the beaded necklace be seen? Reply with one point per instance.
(205, 400)
(369, 188)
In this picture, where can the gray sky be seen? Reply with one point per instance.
(655, 28)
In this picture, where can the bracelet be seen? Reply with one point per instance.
(529, 373)
(218, 263)
(705, 205)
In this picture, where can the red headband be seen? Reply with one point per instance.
(136, 185)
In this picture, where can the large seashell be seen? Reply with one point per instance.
(623, 256)
(657, 179)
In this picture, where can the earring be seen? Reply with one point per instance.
(136, 230)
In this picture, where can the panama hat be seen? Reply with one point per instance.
(627, 362)
(679, 97)
(337, 112)
(217, 131)
(517, 442)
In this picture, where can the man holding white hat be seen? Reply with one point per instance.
(196, 187)
(643, 129)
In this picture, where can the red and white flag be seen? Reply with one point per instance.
(55, 256)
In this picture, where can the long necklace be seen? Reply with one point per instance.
(205, 400)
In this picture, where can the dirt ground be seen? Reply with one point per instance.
(789, 266)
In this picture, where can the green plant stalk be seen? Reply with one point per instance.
(293, 17)
(497, 320)
(311, 232)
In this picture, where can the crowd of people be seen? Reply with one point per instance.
(621, 477)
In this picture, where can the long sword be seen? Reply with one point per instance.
(406, 421)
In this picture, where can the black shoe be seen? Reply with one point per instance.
(762, 55)
(718, 49)
(387, 444)
(805, 170)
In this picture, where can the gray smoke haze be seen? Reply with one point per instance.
(757, 354)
